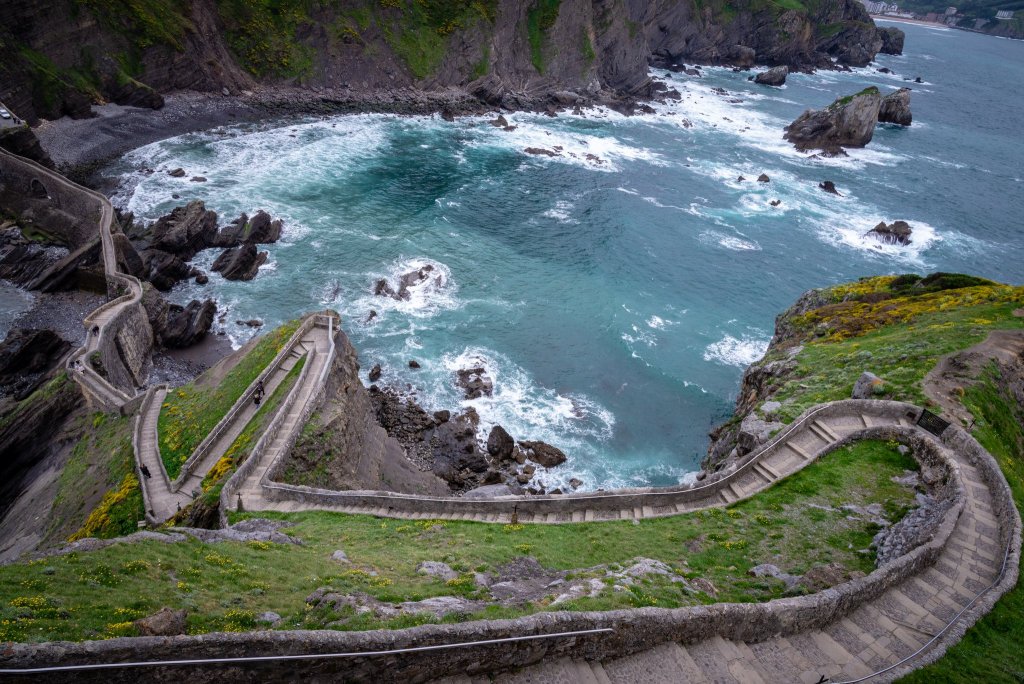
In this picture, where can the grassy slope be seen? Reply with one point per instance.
(991, 650)
(190, 412)
(899, 338)
(95, 595)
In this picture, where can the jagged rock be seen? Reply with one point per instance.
(868, 385)
(442, 416)
(541, 151)
(439, 606)
(754, 432)
(198, 179)
(251, 323)
(407, 281)
(763, 178)
(260, 229)
(442, 571)
(895, 108)
(165, 270)
(177, 173)
(500, 443)
(895, 233)
(251, 529)
(575, 483)
(165, 622)
(773, 77)
(26, 355)
(240, 263)
(185, 231)
(175, 326)
(414, 364)
(743, 56)
(543, 453)
(822, 577)
(829, 187)
(128, 260)
(475, 382)
(847, 122)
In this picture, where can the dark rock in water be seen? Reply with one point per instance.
(370, 316)
(165, 270)
(775, 202)
(412, 279)
(895, 233)
(895, 108)
(165, 623)
(375, 373)
(829, 187)
(383, 289)
(763, 178)
(260, 229)
(177, 327)
(773, 77)
(741, 179)
(447, 114)
(177, 173)
(884, 70)
(475, 382)
(848, 122)
(26, 355)
(917, 79)
(692, 72)
(500, 443)
(892, 40)
(240, 263)
(442, 416)
(185, 231)
(413, 363)
(543, 453)
(198, 179)
(252, 323)
(500, 122)
(202, 278)
(540, 151)
(575, 483)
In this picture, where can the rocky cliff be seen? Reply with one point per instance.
(62, 55)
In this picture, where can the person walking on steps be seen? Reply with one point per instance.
(145, 471)
(258, 394)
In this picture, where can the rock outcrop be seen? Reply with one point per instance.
(26, 356)
(775, 76)
(895, 233)
(848, 122)
(175, 326)
(240, 263)
(892, 40)
(895, 108)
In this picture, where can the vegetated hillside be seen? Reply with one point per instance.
(896, 327)
(972, 10)
(60, 55)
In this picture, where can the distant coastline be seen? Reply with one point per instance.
(921, 22)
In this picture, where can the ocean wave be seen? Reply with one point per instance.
(739, 352)
(436, 293)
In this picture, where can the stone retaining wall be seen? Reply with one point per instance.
(633, 630)
(661, 500)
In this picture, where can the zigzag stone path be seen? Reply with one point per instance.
(164, 497)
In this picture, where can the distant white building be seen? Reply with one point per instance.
(1004, 14)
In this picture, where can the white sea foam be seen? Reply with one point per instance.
(437, 292)
(739, 352)
(854, 232)
(562, 212)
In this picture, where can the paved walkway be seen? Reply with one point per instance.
(164, 497)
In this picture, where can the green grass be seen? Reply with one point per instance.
(900, 339)
(223, 586)
(144, 22)
(60, 384)
(991, 650)
(540, 18)
(418, 30)
(191, 411)
(263, 34)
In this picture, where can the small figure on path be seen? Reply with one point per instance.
(145, 471)
(258, 394)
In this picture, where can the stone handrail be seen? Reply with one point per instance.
(613, 500)
(235, 482)
(136, 442)
(635, 630)
(203, 449)
(78, 364)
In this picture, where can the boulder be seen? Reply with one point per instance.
(164, 270)
(822, 577)
(340, 556)
(166, 622)
(868, 385)
(543, 453)
(754, 432)
(414, 364)
(411, 279)
(441, 571)
(895, 108)
(773, 77)
(742, 56)
(375, 373)
(177, 173)
(500, 443)
(895, 233)
(763, 178)
(769, 570)
(260, 229)
(128, 260)
(829, 187)
(540, 151)
(848, 122)
(240, 263)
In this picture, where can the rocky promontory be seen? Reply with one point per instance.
(848, 122)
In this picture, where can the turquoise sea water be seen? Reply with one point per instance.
(615, 301)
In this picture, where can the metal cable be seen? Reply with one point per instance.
(304, 656)
(998, 579)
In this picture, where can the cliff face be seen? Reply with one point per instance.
(61, 55)
(801, 35)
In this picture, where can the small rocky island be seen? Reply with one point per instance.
(850, 121)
